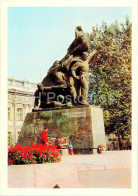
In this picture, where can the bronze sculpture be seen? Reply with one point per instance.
(66, 82)
(80, 44)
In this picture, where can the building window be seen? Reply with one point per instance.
(9, 113)
(19, 114)
(9, 138)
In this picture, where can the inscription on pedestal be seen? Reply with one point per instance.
(75, 114)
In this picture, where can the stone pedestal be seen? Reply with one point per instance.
(83, 126)
(64, 152)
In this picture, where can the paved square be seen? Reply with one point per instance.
(111, 169)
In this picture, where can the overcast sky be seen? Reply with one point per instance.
(39, 36)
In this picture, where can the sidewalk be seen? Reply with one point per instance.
(113, 178)
(112, 169)
(106, 160)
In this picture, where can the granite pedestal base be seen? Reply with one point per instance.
(83, 126)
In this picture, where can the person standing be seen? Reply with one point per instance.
(44, 136)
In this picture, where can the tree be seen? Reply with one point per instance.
(110, 75)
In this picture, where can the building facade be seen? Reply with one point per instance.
(20, 102)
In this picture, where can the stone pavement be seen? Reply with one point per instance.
(113, 178)
(112, 169)
(106, 160)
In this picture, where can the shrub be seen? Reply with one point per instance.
(37, 153)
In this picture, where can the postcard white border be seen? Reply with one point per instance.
(4, 4)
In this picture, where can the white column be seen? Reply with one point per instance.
(24, 110)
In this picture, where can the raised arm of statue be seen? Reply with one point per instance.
(92, 54)
(87, 57)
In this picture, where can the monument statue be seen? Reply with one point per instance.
(66, 87)
(66, 82)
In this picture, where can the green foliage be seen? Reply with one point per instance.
(110, 75)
